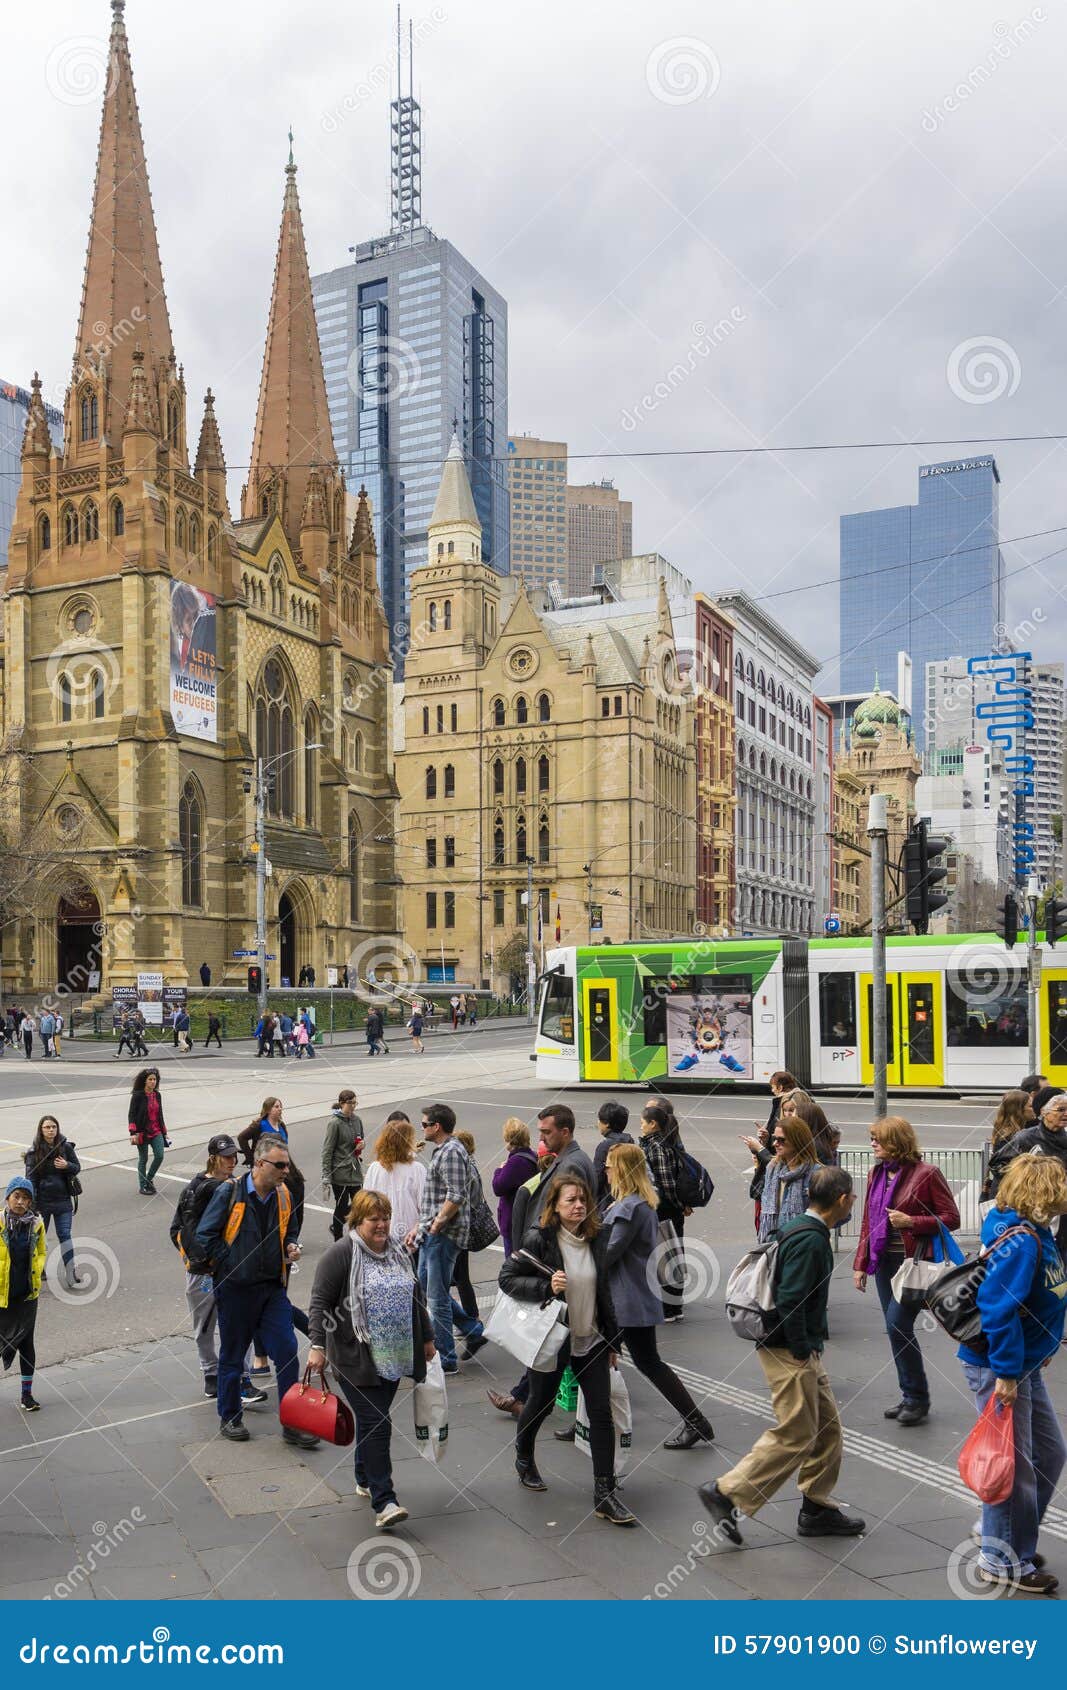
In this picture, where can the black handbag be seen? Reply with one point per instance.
(74, 1187)
(953, 1301)
(484, 1230)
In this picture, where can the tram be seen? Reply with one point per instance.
(696, 1012)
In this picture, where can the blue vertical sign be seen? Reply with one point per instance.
(1009, 715)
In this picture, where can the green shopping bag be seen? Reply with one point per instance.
(567, 1395)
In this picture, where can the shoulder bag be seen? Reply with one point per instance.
(953, 1300)
(534, 1333)
(918, 1274)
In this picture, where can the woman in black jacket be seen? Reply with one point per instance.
(51, 1168)
(148, 1129)
(566, 1257)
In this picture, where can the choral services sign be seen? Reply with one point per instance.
(193, 673)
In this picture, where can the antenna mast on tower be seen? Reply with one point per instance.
(406, 126)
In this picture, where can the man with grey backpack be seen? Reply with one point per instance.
(806, 1438)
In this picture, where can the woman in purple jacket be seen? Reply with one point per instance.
(519, 1166)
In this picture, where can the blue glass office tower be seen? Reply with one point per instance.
(14, 404)
(927, 578)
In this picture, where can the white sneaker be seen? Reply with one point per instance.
(391, 1515)
(362, 1490)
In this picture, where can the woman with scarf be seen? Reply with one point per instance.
(52, 1167)
(907, 1202)
(368, 1318)
(788, 1176)
(22, 1253)
(148, 1129)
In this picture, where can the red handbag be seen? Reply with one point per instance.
(987, 1459)
(321, 1412)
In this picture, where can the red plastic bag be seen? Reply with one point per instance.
(987, 1459)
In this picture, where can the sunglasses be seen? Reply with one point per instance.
(271, 1163)
(777, 1140)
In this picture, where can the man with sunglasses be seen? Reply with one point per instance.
(249, 1233)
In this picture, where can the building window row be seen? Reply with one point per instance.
(449, 781)
(543, 709)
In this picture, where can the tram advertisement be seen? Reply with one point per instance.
(709, 1029)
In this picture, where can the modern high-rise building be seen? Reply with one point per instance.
(1044, 743)
(537, 485)
(415, 345)
(600, 529)
(928, 578)
(14, 409)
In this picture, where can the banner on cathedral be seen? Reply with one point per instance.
(193, 673)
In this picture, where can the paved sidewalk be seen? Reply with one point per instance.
(162, 1047)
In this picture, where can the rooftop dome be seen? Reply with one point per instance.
(877, 710)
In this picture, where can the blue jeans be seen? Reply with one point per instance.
(1013, 1526)
(244, 1310)
(374, 1429)
(63, 1218)
(156, 1146)
(900, 1325)
(437, 1262)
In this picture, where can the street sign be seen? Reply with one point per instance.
(269, 956)
(832, 924)
(245, 953)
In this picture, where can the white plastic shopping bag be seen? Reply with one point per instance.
(430, 1400)
(621, 1413)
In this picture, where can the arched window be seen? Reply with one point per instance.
(179, 530)
(498, 713)
(542, 774)
(498, 778)
(431, 782)
(311, 768)
(762, 764)
(44, 534)
(212, 544)
(520, 775)
(90, 521)
(450, 781)
(544, 709)
(440, 718)
(447, 612)
(739, 667)
(451, 547)
(762, 684)
(70, 526)
(118, 520)
(522, 711)
(542, 841)
(498, 843)
(353, 869)
(790, 703)
(90, 416)
(433, 616)
(174, 423)
(191, 831)
(426, 718)
(520, 840)
(357, 754)
(453, 716)
(65, 697)
(750, 674)
(98, 694)
(440, 548)
(345, 748)
(194, 535)
(752, 757)
(774, 769)
(286, 771)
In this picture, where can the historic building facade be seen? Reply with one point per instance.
(716, 761)
(880, 756)
(154, 647)
(544, 747)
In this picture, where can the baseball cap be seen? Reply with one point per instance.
(222, 1145)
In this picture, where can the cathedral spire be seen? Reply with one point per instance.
(293, 432)
(362, 528)
(123, 298)
(36, 440)
(209, 452)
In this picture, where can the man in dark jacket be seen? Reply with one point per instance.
(248, 1233)
(611, 1121)
(807, 1435)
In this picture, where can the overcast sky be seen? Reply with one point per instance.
(629, 177)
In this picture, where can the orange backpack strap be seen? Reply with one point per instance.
(285, 1209)
(236, 1213)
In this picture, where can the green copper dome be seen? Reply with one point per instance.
(878, 710)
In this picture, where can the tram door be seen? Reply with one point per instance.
(1054, 1025)
(914, 1029)
(600, 1030)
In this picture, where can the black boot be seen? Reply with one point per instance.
(529, 1477)
(567, 1435)
(696, 1429)
(608, 1506)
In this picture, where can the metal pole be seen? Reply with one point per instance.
(530, 976)
(1033, 971)
(877, 831)
(261, 888)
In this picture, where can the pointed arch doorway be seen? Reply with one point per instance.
(78, 937)
(286, 939)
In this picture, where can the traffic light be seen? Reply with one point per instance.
(923, 872)
(1055, 922)
(255, 980)
(1009, 921)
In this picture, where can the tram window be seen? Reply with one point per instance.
(557, 1014)
(986, 1008)
(837, 1009)
(1057, 1022)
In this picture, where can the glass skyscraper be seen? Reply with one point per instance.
(927, 578)
(415, 342)
(14, 403)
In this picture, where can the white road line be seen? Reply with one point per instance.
(112, 1426)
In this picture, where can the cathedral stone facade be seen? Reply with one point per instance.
(154, 647)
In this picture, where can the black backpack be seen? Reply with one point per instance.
(191, 1207)
(693, 1183)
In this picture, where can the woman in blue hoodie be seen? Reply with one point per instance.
(1021, 1301)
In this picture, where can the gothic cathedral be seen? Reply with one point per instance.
(154, 647)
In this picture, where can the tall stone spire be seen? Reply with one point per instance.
(362, 527)
(36, 440)
(455, 501)
(123, 298)
(293, 432)
(209, 454)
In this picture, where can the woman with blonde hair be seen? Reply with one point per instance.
(398, 1174)
(788, 1175)
(518, 1166)
(907, 1202)
(633, 1235)
(1022, 1303)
